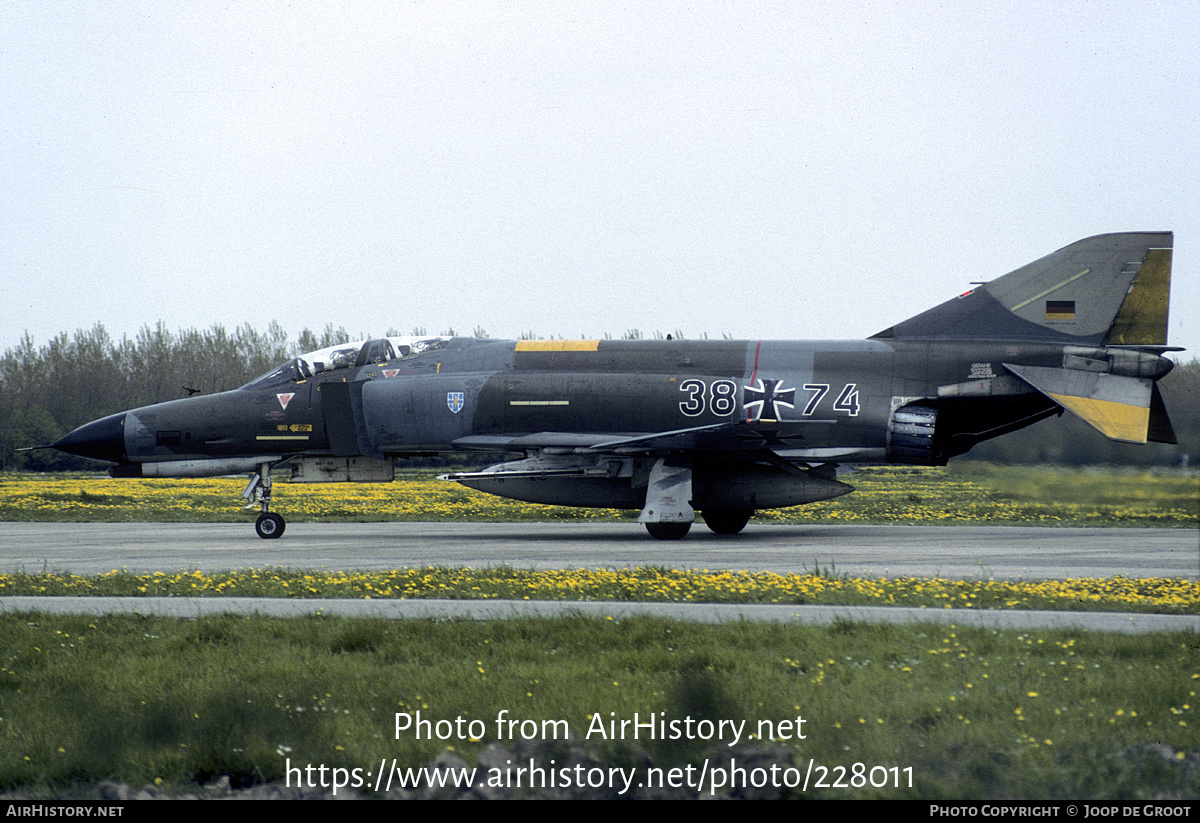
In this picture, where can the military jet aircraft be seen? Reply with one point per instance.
(672, 427)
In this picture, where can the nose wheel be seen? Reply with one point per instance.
(258, 491)
(269, 525)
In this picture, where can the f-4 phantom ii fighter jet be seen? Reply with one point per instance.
(672, 427)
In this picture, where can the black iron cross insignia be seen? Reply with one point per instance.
(762, 400)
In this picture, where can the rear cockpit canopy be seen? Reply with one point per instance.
(344, 356)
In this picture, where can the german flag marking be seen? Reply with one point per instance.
(1060, 309)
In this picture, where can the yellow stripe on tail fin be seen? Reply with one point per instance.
(1142, 320)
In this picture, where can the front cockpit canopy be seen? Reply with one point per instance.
(344, 356)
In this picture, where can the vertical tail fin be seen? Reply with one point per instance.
(1107, 289)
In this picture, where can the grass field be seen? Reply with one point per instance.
(974, 713)
(651, 584)
(963, 493)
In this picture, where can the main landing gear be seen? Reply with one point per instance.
(668, 514)
(718, 522)
(258, 491)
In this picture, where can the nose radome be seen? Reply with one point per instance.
(102, 439)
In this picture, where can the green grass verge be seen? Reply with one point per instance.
(966, 493)
(651, 584)
(975, 713)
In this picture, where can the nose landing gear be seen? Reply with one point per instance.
(258, 491)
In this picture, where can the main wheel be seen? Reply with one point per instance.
(726, 522)
(668, 531)
(269, 525)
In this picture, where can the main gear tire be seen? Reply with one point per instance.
(668, 531)
(727, 522)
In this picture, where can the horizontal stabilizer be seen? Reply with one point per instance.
(1115, 405)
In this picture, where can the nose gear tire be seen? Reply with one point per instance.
(269, 526)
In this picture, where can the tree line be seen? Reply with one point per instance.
(48, 390)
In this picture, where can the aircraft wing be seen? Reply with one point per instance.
(739, 436)
(736, 436)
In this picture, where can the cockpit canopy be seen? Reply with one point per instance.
(344, 356)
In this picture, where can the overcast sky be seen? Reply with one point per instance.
(762, 170)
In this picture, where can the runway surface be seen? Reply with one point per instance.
(1000, 552)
